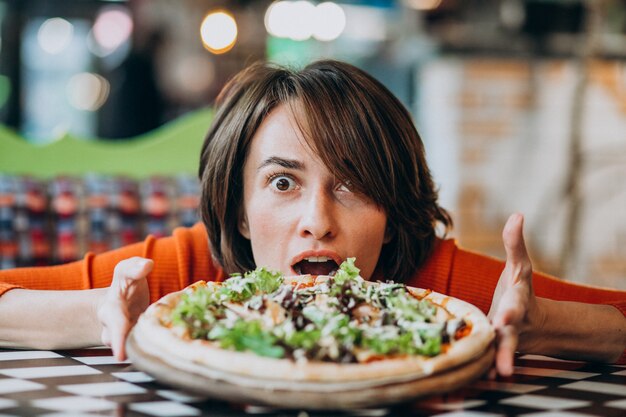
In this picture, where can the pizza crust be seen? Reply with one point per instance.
(343, 398)
(152, 336)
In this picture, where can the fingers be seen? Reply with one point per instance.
(130, 270)
(118, 336)
(513, 238)
(506, 346)
(507, 321)
(127, 297)
(513, 294)
(115, 322)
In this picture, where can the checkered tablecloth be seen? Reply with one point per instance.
(89, 382)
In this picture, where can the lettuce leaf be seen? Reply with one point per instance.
(260, 281)
(247, 335)
(347, 271)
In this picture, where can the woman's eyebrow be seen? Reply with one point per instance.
(285, 163)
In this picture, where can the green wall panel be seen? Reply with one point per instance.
(171, 149)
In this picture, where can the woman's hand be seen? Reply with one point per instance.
(126, 299)
(514, 307)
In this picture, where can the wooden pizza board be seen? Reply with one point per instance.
(341, 399)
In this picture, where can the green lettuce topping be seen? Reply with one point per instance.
(247, 335)
(198, 311)
(347, 272)
(337, 320)
(240, 288)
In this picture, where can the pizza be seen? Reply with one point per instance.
(311, 334)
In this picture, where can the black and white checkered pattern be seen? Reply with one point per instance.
(90, 382)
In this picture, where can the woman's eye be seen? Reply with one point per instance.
(345, 186)
(283, 183)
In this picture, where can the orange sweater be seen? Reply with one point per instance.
(184, 258)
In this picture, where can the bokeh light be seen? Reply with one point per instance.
(330, 21)
(301, 20)
(219, 32)
(277, 19)
(55, 35)
(112, 28)
(87, 91)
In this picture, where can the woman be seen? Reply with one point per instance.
(299, 171)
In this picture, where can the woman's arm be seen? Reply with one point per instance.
(55, 307)
(65, 318)
(50, 319)
(574, 330)
(69, 319)
(532, 324)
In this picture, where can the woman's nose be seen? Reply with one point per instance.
(318, 215)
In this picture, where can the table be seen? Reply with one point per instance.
(88, 382)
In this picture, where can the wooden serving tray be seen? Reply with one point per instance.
(170, 373)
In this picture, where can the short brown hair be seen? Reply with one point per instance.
(360, 131)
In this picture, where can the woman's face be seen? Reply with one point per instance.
(299, 218)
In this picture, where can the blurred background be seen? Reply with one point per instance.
(521, 104)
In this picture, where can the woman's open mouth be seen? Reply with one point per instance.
(316, 265)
